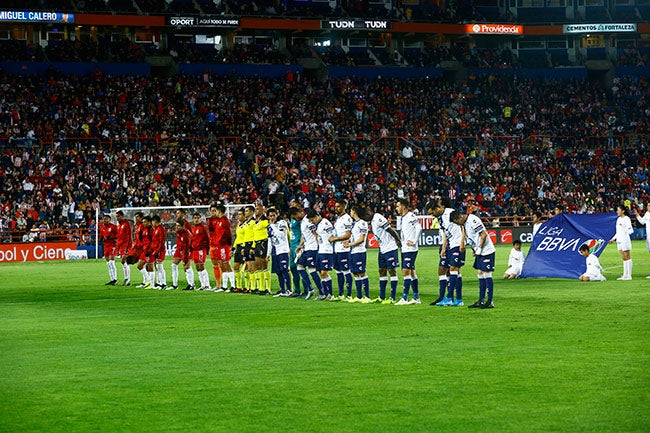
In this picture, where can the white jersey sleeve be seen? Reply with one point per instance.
(380, 226)
(342, 225)
(359, 230)
(324, 230)
(307, 230)
(473, 229)
(411, 230)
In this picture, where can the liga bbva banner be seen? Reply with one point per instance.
(554, 251)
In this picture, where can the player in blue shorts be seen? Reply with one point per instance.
(357, 245)
(342, 230)
(410, 234)
(388, 258)
(483, 250)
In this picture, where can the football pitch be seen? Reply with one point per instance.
(553, 356)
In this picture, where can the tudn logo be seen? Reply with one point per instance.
(595, 245)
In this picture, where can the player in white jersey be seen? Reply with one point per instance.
(594, 271)
(388, 258)
(278, 251)
(623, 242)
(342, 230)
(475, 235)
(357, 245)
(410, 234)
(325, 259)
(306, 252)
(452, 255)
(515, 261)
(645, 219)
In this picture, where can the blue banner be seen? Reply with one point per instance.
(554, 251)
(36, 17)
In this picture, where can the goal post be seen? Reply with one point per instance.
(167, 216)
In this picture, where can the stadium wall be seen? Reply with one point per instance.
(79, 68)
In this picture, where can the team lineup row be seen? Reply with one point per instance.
(302, 250)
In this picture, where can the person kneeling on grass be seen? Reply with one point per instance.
(594, 270)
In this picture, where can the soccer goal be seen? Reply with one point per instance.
(167, 216)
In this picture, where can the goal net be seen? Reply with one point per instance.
(167, 216)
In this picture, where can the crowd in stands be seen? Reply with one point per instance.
(506, 145)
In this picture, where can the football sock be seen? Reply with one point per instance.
(393, 286)
(239, 277)
(627, 268)
(305, 279)
(415, 287)
(162, 275)
(326, 284)
(407, 286)
(489, 285)
(204, 278)
(174, 274)
(145, 276)
(296, 279)
(443, 285)
(189, 276)
(281, 282)
(110, 264)
(383, 282)
(152, 277)
(451, 288)
(459, 287)
(267, 280)
(366, 286)
(286, 275)
(359, 285)
(482, 286)
(340, 278)
(348, 282)
(127, 271)
(317, 281)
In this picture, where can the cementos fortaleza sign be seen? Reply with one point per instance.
(600, 28)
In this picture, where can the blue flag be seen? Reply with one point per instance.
(554, 251)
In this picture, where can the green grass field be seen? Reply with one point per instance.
(553, 356)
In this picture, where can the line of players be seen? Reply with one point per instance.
(303, 251)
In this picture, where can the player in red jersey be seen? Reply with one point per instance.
(108, 235)
(180, 215)
(136, 247)
(124, 239)
(145, 263)
(199, 251)
(182, 254)
(220, 242)
(158, 251)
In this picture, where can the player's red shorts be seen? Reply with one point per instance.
(109, 249)
(182, 255)
(199, 256)
(123, 249)
(159, 255)
(220, 254)
(135, 251)
(147, 258)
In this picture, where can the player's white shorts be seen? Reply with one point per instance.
(594, 276)
(624, 245)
